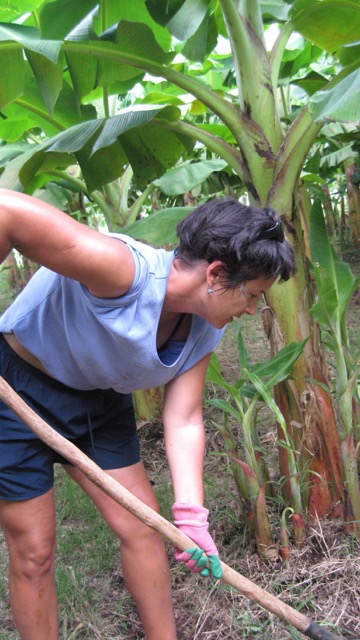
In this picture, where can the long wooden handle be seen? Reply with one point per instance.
(149, 517)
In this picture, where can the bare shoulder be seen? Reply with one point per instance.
(114, 269)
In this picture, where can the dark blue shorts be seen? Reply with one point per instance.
(100, 422)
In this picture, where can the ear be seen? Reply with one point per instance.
(213, 272)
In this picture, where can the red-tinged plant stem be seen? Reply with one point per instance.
(251, 458)
(259, 455)
(284, 536)
(263, 535)
(299, 529)
(233, 453)
(264, 472)
(284, 553)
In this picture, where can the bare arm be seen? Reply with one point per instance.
(50, 237)
(184, 433)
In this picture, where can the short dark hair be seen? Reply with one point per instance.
(249, 241)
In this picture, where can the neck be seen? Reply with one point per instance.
(185, 288)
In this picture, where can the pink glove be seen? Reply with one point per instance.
(193, 521)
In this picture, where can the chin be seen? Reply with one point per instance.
(221, 325)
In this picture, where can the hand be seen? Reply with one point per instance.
(193, 521)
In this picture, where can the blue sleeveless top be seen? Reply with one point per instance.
(87, 342)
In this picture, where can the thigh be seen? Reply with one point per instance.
(121, 521)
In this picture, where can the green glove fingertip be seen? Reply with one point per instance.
(197, 555)
(215, 566)
(205, 572)
(202, 562)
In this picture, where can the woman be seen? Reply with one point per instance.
(109, 315)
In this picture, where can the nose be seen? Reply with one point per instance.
(251, 308)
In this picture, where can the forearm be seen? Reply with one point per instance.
(185, 447)
(185, 452)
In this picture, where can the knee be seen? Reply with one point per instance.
(33, 561)
(138, 534)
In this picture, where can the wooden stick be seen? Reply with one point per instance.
(149, 517)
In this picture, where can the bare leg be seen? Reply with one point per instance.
(29, 528)
(143, 553)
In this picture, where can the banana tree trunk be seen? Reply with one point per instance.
(304, 400)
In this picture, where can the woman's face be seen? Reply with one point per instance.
(223, 306)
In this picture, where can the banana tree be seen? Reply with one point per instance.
(335, 287)
(99, 50)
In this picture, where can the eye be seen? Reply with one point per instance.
(251, 297)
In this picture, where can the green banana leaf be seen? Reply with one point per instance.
(226, 407)
(49, 77)
(279, 367)
(91, 63)
(275, 9)
(184, 178)
(58, 18)
(270, 372)
(341, 103)
(10, 151)
(341, 17)
(30, 111)
(29, 39)
(181, 18)
(104, 145)
(213, 373)
(264, 393)
(12, 11)
(62, 17)
(244, 358)
(160, 227)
